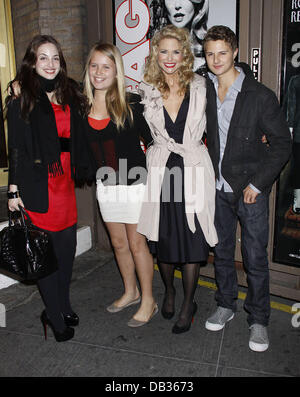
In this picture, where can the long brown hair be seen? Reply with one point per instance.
(66, 89)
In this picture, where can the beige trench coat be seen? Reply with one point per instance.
(199, 178)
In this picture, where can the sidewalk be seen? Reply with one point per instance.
(104, 346)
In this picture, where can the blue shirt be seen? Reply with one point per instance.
(224, 113)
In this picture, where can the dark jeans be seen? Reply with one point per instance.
(254, 221)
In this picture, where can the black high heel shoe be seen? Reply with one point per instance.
(71, 320)
(179, 330)
(167, 315)
(67, 334)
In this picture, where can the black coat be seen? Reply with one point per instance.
(110, 144)
(32, 180)
(246, 158)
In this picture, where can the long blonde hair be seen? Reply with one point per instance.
(116, 98)
(154, 75)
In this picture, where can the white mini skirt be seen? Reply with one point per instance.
(120, 203)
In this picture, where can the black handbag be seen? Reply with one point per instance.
(25, 250)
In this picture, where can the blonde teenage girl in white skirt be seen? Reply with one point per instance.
(114, 128)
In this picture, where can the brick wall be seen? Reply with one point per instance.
(63, 19)
(25, 15)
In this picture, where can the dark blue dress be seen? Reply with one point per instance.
(176, 243)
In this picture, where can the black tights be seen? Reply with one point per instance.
(190, 275)
(55, 289)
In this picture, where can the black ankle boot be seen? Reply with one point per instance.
(71, 320)
(180, 329)
(67, 334)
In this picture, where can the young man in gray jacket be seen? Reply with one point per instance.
(240, 112)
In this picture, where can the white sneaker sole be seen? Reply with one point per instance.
(216, 327)
(258, 347)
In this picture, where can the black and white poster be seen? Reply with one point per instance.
(287, 215)
(136, 21)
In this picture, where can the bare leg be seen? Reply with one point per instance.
(118, 235)
(144, 266)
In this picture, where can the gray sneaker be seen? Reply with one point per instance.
(218, 320)
(259, 341)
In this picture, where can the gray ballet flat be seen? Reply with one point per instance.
(136, 323)
(113, 308)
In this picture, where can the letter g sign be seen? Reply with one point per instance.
(139, 13)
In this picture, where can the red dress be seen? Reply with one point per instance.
(62, 210)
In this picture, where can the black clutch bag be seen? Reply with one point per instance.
(25, 250)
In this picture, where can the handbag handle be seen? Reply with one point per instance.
(22, 222)
(23, 212)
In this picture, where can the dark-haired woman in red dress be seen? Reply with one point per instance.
(47, 153)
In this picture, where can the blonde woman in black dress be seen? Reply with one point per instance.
(181, 208)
